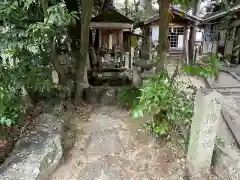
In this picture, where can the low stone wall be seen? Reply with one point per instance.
(38, 152)
(226, 159)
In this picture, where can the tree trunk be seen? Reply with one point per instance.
(192, 35)
(163, 34)
(107, 4)
(126, 7)
(81, 72)
(56, 64)
(72, 5)
(44, 4)
(54, 59)
(148, 8)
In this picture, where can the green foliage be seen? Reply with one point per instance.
(28, 74)
(182, 2)
(208, 68)
(165, 103)
(25, 52)
(128, 97)
(169, 103)
(11, 106)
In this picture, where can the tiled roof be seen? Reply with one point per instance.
(111, 15)
(216, 15)
(175, 11)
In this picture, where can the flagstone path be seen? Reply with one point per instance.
(111, 146)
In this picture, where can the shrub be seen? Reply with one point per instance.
(208, 68)
(128, 97)
(169, 103)
(165, 103)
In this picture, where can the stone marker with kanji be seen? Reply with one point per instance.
(207, 111)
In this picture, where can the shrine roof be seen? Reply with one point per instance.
(230, 11)
(175, 11)
(112, 15)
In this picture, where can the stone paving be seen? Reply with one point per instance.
(112, 146)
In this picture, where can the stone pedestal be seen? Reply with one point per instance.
(203, 133)
(136, 78)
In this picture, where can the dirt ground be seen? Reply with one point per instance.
(125, 151)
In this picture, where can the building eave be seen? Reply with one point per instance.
(176, 11)
(219, 15)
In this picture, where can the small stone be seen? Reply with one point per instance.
(178, 161)
(169, 172)
(183, 160)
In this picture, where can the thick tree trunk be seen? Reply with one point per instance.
(126, 7)
(44, 4)
(148, 8)
(52, 46)
(81, 72)
(72, 5)
(193, 32)
(107, 4)
(163, 34)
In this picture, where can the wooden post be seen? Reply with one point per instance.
(150, 43)
(230, 41)
(145, 42)
(185, 43)
(121, 39)
(100, 39)
(226, 37)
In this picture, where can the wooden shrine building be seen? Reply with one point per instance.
(178, 32)
(222, 33)
(111, 40)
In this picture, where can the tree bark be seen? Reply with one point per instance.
(72, 5)
(81, 72)
(107, 4)
(126, 7)
(193, 32)
(163, 34)
(56, 64)
(148, 8)
(52, 46)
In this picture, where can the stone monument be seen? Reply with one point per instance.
(207, 110)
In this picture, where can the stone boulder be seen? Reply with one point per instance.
(38, 152)
(92, 95)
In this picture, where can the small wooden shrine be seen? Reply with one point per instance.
(111, 40)
(180, 21)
